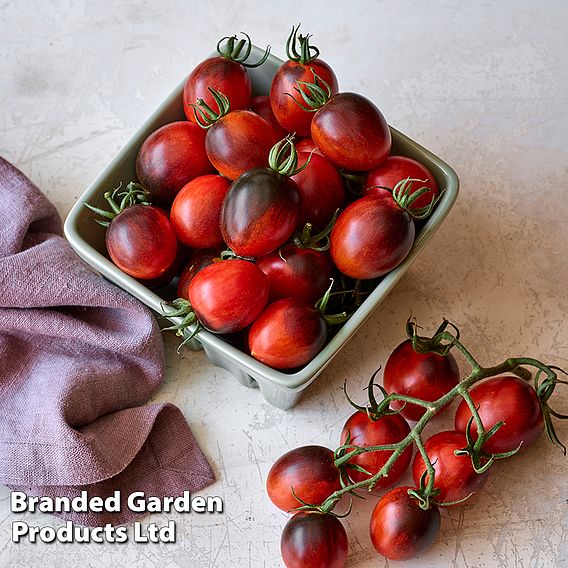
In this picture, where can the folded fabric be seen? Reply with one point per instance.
(78, 359)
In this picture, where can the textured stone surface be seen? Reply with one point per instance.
(484, 86)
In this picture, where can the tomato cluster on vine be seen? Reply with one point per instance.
(268, 210)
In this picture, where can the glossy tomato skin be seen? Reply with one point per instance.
(312, 540)
(288, 334)
(426, 376)
(508, 399)
(397, 168)
(371, 236)
(198, 260)
(388, 429)
(196, 211)
(399, 528)
(309, 470)
(260, 212)
(227, 296)
(321, 190)
(297, 273)
(221, 74)
(239, 141)
(307, 145)
(261, 105)
(292, 117)
(455, 477)
(352, 132)
(171, 157)
(141, 242)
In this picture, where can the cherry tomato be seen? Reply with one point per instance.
(396, 168)
(198, 260)
(288, 334)
(260, 212)
(371, 236)
(426, 376)
(313, 540)
(321, 190)
(227, 296)
(221, 74)
(171, 157)
(196, 212)
(508, 399)
(351, 132)
(455, 477)
(297, 272)
(141, 242)
(388, 429)
(399, 528)
(309, 470)
(307, 145)
(261, 105)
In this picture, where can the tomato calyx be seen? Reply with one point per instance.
(319, 242)
(405, 196)
(321, 305)
(298, 47)
(283, 158)
(544, 391)
(205, 116)
(315, 94)
(230, 47)
(182, 308)
(118, 200)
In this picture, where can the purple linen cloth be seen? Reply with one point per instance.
(78, 358)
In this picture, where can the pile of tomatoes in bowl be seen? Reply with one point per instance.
(270, 211)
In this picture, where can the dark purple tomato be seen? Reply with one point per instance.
(288, 334)
(351, 132)
(397, 168)
(221, 74)
(307, 145)
(309, 470)
(321, 190)
(295, 272)
(239, 141)
(141, 241)
(388, 429)
(455, 477)
(371, 236)
(508, 399)
(227, 296)
(171, 157)
(198, 260)
(313, 540)
(261, 105)
(260, 212)
(399, 528)
(196, 212)
(426, 376)
(292, 117)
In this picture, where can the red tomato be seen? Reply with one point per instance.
(198, 260)
(261, 105)
(321, 190)
(455, 477)
(371, 236)
(426, 376)
(313, 540)
(289, 333)
(508, 399)
(196, 212)
(307, 145)
(239, 141)
(141, 242)
(399, 528)
(227, 296)
(388, 429)
(171, 157)
(309, 470)
(221, 74)
(260, 212)
(297, 272)
(396, 168)
(351, 132)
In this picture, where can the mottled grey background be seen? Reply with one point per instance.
(482, 84)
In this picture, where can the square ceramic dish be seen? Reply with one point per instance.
(280, 389)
